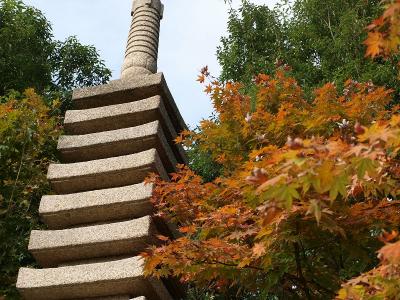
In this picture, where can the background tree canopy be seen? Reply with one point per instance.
(322, 41)
(37, 74)
(31, 58)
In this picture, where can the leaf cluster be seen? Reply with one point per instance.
(381, 282)
(306, 188)
(28, 139)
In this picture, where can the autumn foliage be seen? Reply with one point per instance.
(29, 131)
(306, 191)
(308, 196)
(384, 32)
(382, 282)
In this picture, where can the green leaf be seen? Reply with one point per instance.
(338, 186)
(364, 165)
(286, 193)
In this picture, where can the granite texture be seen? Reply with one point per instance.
(53, 247)
(125, 115)
(118, 277)
(104, 173)
(63, 211)
(142, 47)
(125, 297)
(77, 148)
(154, 4)
(130, 89)
(115, 116)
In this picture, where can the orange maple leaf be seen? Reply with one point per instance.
(271, 182)
(374, 43)
(201, 78)
(187, 229)
(259, 250)
(390, 253)
(162, 238)
(208, 89)
(179, 139)
(387, 237)
(391, 11)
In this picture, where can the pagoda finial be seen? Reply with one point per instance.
(142, 47)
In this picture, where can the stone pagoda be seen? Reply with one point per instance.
(100, 217)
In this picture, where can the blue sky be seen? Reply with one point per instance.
(190, 34)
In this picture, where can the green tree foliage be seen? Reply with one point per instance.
(25, 46)
(28, 139)
(201, 161)
(30, 58)
(253, 42)
(76, 65)
(322, 41)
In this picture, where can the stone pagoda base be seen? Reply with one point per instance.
(100, 220)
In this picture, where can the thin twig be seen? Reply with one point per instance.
(19, 172)
(16, 179)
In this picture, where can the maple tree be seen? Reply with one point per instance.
(307, 194)
(383, 281)
(305, 189)
(384, 32)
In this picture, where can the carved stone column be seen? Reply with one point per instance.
(142, 47)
